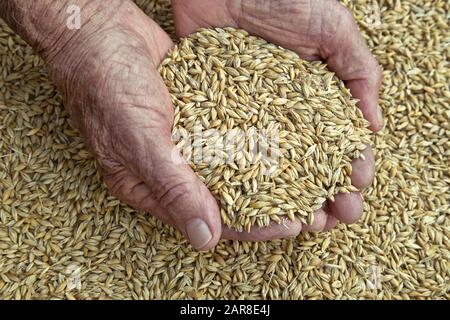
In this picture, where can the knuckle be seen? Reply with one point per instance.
(344, 14)
(335, 24)
(374, 72)
(364, 178)
(114, 176)
(174, 192)
(378, 75)
(115, 185)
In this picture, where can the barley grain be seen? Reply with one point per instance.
(338, 130)
(57, 207)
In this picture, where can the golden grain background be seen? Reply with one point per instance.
(63, 236)
(227, 98)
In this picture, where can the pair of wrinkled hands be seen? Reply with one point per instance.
(107, 74)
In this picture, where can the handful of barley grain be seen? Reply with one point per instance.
(271, 135)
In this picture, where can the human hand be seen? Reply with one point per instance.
(316, 30)
(108, 76)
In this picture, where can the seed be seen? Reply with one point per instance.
(58, 215)
(278, 116)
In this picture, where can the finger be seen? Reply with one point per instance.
(346, 53)
(128, 188)
(189, 202)
(179, 193)
(363, 171)
(331, 223)
(274, 231)
(319, 222)
(347, 207)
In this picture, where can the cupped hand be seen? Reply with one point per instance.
(107, 74)
(317, 30)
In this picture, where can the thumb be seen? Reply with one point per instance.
(180, 195)
(347, 54)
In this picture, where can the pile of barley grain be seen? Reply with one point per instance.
(244, 95)
(58, 224)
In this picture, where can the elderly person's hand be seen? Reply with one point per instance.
(316, 30)
(107, 74)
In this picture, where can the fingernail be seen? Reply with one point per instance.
(380, 117)
(198, 233)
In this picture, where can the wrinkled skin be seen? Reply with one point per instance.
(111, 86)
